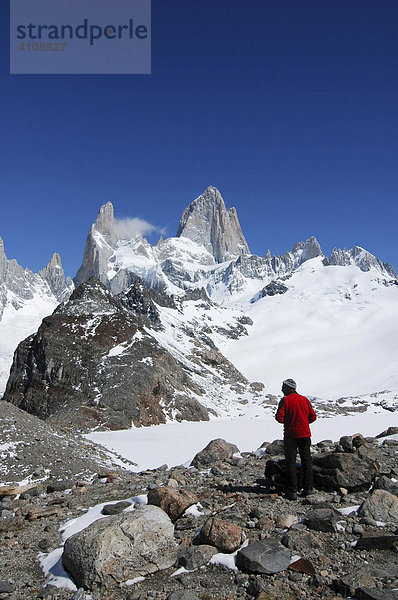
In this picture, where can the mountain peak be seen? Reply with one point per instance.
(105, 221)
(207, 222)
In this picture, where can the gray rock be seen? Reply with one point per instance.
(387, 484)
(376, 540)
(301, 541)
(115, 509)
(387, 432)
(265, 556)
(121, 547)
(381, 506)
(352, 471)
(215, 451)
(276, 448)
(322, 519)
(5, 587)
(346, 443)
(194, 557)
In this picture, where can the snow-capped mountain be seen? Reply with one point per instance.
(329, 322)
(25, 298)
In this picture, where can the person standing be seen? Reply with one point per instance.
(296, 413)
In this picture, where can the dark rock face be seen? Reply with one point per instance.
(274, 288)
(91, 363)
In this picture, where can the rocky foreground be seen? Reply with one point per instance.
(220, 530)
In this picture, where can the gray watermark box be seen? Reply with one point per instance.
(80, 36)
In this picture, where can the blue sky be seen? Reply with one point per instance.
(289, 107)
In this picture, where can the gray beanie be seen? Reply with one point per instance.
(291, 383)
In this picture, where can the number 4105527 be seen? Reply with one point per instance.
(42, 47)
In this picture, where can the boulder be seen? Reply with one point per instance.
(353, 471)
(376, 540)
(387, 432)
(121, 547)
(276, 448)
(173, 501)
(387, 484)
(322, 519)
(381, 506)
(225, 536)
(194, 557)
(265, 556)
(300, 541)
(215, 451)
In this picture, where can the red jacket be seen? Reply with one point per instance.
(295, 412)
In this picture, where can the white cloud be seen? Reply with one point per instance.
(128, 228)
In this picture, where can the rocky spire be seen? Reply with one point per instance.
(207, 222)
(53, 273)
(99, 246)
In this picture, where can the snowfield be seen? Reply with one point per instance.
(177, 443)
(335, 331)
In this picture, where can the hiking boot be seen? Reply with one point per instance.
(306, 493)
(291, 496)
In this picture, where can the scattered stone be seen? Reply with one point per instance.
(322, 519)
(286, 521)
(36, 512)
(265, 556)
(194, 557)
(115, 509)
(303, 565)
(225, 536)
(173, 502)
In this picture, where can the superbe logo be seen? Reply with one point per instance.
(84, 31)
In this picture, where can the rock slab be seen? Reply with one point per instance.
(121, 547)
(265, 556)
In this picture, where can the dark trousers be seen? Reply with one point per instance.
(303, 445)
